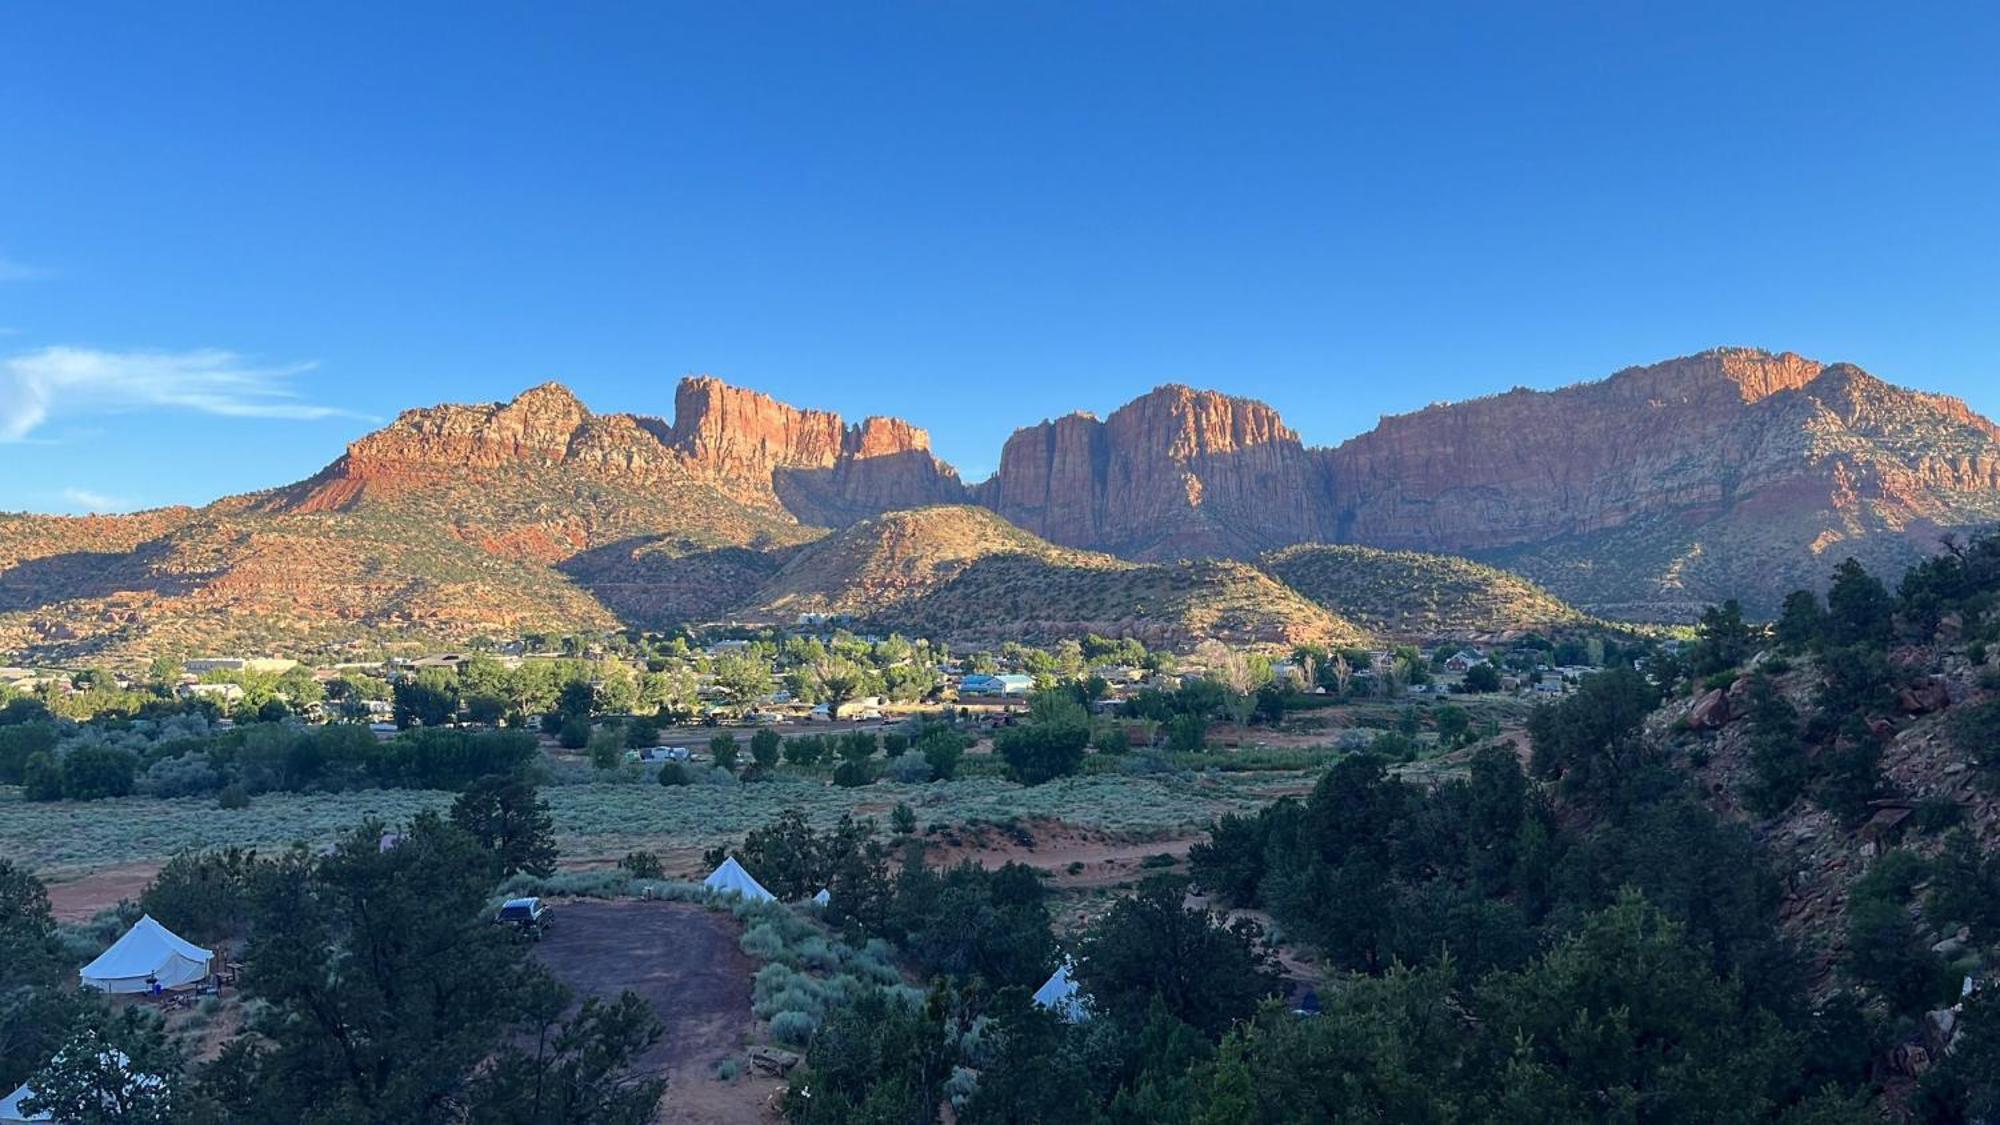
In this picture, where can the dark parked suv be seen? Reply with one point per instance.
(527, 915)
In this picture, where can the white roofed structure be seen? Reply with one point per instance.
(11, 1111)
(1060, 994)
(731, 879)
(147, 953)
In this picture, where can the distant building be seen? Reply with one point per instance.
(1464, 660)
(220, 693)
(979, 683)
(271, 665)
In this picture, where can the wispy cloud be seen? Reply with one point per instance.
(36, 386)
(11, 270)
(90, 501)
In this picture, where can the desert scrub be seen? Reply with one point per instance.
(66, 838)
(793, 1029)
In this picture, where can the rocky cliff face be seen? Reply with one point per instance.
(1528, 465)
(1708, 432)
(1735, 472)
(820, 469)
(1177, 473)
(807, 464)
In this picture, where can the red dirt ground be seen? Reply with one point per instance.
(77, 899)
(684, 960)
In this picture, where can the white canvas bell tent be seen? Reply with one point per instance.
(148, 952)
(823, 898)
(1060, 994)
(11, 1111)
(731, 879)
(113, 1064)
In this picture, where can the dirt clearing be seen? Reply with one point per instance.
(684, 960)
(76, 900)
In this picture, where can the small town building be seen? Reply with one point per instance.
(1464, 660)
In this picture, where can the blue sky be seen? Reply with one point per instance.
(234, 236)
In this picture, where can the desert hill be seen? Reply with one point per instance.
(964, 572)
(1412, 594)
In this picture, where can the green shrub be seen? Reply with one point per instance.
(763, 942)
(673, 773)
(853, 774)
(1937, 814)
(857, 746)
(910, 768)
(943, 749)
(793, 1028)
(642, 865)
(806, 750)
(722, 748)
(642, 732)
(204, 896)
(607, 748)
(91, 773)
(574, 734)
(18, 743)
(233, 797)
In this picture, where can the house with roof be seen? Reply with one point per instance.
(1464, 660)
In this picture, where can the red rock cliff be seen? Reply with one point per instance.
(817, 467)
(755, 449)
(1700, 433)
(1174, 473)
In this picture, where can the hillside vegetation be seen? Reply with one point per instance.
(964, 572)
(1412, 594)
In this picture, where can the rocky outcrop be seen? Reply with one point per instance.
(1176, 473)
(818, 468)
(749, 446)
(543, 426)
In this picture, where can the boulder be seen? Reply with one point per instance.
(1909, 1059)
(1940, 1028)
(1710, 711)
(773, 1060)
(1924, 697)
